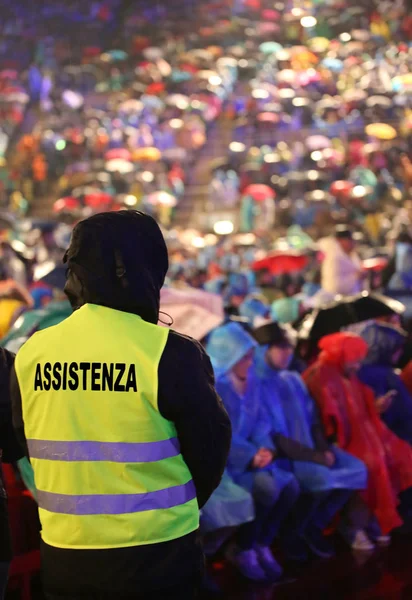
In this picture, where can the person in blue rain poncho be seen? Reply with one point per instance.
(250, 462)
(327, 475)
(253, 308)
(235, 292)
(378, 372)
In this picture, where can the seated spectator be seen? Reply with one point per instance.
(378, 372)
(254, 308)
(350, 419)
(326, 474)
(250, 462)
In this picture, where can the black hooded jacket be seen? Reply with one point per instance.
(119, 260)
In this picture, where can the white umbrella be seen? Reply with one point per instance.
(161, 199)
(119, 165)
(179, 100)
(194, 312)
(318, 142)
(131, 106)
(153, 53)
(73, 99)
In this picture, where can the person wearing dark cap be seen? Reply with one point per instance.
(327, 475)
(341, 266)
(124, 429)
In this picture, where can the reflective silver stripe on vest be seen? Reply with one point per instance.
(120, 452)
(116, 504)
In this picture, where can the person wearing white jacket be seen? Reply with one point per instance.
(341, 268)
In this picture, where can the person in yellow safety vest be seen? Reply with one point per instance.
(122, 424)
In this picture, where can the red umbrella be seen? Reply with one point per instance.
(268, 117)
(259, 192)
(66, 204)
(375, 264)
(154, 89)
(278, 263)
(118, 153)
(342, 187)
(91, 51)
(98, 200)
(270, 15)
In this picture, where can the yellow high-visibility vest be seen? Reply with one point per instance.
(107, 465)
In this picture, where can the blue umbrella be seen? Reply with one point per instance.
(180, 76)
(333, 64)
(270, 47)
(118, 55)
(55, 278)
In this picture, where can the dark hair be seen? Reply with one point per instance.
(342, 232)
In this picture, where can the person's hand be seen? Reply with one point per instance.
(330, 458)
(263, 458)
(384, 402)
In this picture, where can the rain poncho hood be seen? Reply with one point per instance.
(227, 345)
(383, 341)
(238, 285)
(118, 260)
(342, 348)
(252, 308)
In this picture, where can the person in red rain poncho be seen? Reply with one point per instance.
(350, 416)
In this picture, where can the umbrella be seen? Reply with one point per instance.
(131, 106)
(161, 199)
(55, 278)
(270, 15)
(354, 95)
(318, 142)
(382, 101)
(319, 44)
(347, 311)
(287, 76)
(73, 99)
(341, 187)
(98, 200)
(151, 154)
(278, 263)
(180, 76)
(361, 35)
(194, 312)
(333, 64)
(20, 97)
(114, 55)
(268, 117)
(259, 192)
(119, 165)
(381, 131)
(270, 47)
(375, 264)
(181, 101)
(8, 74)
(7, 221)
(154, 89)
(68, 204)
(35, 320)
(176, 154)
(118, 153)
(402, 83)
(153, 53)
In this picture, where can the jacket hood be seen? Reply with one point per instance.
(383, 342)
(342, 348)
(118, 260)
